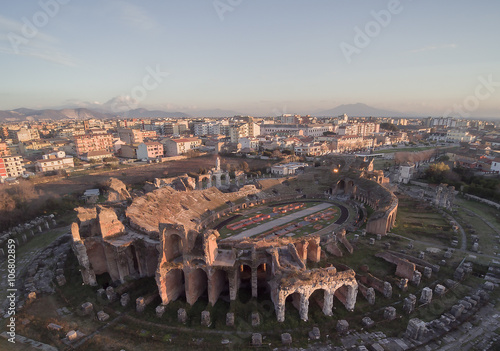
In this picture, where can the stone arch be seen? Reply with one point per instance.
(135, 261)
(245, 281)
(346, 294)
(96, 255)
(389, 222)
(218, 284)
(323, 299)
(174, 246)
(340, 188)
(174, 241)
(350, 187)
(172, 285)
(293, 298)
(263, 277)
(196, 284)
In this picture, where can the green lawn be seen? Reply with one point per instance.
(405, 149)
(420, 222)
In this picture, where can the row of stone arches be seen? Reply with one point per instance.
(343, 187)
(193, 283)
(323, 297)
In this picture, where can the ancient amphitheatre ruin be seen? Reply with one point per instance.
(274, 230)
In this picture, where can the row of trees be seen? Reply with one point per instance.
(22, 202)
(464, 179)
(414, 157)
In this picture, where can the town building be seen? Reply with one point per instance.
(93, 141)
(149, 150)
(287, 168)
(176, 147)
(54, 161)
(98, 155)
(11, 167)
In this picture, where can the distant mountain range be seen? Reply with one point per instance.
(26, 114)
(359, 110)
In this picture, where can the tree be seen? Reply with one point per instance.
(244, 166)
(436, 172)
(389, 126)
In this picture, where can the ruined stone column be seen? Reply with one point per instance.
(254, 282)
(279, 308)
(387, 290)
(233, 284)
(352, 291)
(328, 303)
(304, 307)
(370, 296)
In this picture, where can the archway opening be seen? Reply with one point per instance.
(173, 247)
(341, 187)
(245, 290)
(263, 277)
(197, 286)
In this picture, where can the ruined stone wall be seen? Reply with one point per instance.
(382, 221)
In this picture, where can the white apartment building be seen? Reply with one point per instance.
(249, 143)
(176, 147)
(287, 168)
(54, 163)
(458, 136)
(11, 167)
(406, 171)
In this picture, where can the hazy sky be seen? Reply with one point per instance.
(258, 57)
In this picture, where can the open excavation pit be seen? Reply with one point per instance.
(169, 234)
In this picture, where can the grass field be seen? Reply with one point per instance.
(405, 149)
(421, 222)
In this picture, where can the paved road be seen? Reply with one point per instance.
(280, 221)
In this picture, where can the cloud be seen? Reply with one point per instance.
(135, 16)
(39, 45)
(434, 47)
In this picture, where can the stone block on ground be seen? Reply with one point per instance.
(342, 326)
(124, 299)
(428, 272)
(110, 294)
(489, 286)
(205, 319)
(182, 315)
(367, 322)
(72, 335)
(54, 327)
(416, 329)
(255, 319)
(439, 290)
(390, 313)
(140, 304)
(230, 319)
(409, 303)
(61, 280)
(314, 334)
(87, 308)
(256, 339)
(286, 339)
(426, 296)
(102, 316)
(160, 310)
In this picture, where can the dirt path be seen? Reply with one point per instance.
(142, 173)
